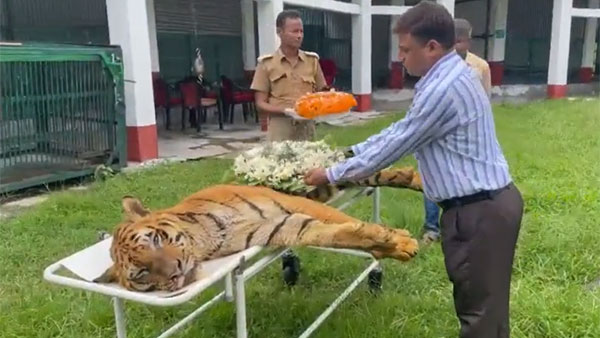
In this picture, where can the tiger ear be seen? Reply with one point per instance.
(133, 208)
(108, 276)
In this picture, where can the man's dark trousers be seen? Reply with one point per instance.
(478, 241)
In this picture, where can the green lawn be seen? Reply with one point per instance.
(553, 149)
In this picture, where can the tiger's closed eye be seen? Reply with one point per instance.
(141, 274)
(156, 240)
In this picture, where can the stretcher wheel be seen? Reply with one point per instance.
(375, 280)
(290, 264)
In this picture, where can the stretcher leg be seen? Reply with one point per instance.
(120, 317)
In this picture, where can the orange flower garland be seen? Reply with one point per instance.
(324, 103)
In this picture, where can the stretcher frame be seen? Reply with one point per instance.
(233, 273)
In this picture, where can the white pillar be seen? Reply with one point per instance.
(589, 44)
(267, 11)
(394, 48)
(394, 43)
(396, 73)
(248, 41)
(559, 48)
(361, 55)
(153, 38)
(497, 43)
(128, 28)
(449, 4)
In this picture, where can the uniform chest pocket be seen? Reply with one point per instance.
(278, 81)
(276, 75)
(307, 83)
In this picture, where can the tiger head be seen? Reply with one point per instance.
(150, 251)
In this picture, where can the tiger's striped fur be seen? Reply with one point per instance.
(393, 178)
(162, 250)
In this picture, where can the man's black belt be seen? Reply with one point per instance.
(476, 197)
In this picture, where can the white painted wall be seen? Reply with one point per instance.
(561, 37)
(474, 12)
(248, 38)
(499, 13)
(152, 35)
(267, 11)
(361, 49)
(589, 42)
(394, 49)
(128, 27)
(449, 4)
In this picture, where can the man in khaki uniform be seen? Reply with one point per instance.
(283, 77)
(463, 31)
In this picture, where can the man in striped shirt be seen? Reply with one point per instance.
(450, 129)
(462, 32)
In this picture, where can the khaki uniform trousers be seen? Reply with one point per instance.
(283, 128)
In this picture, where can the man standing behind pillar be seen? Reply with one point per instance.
(463, 32)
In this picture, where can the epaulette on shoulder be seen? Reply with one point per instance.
(264, 57)
(313, 54)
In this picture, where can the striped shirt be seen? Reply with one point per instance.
(450, 129)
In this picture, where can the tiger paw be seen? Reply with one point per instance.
(405, 247)
(416, 183)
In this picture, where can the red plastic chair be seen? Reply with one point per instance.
(162, 99)
(196, 103)
(231, 94)
(329, 70)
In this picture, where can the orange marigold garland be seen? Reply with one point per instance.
(324, 103)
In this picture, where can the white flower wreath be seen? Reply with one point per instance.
(282, 165)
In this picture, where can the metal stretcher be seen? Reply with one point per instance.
(231, 272)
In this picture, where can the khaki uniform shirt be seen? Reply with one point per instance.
(285, 83)
(483, 69)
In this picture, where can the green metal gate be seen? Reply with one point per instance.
(62, 112)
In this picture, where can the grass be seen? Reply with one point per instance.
(553, 150)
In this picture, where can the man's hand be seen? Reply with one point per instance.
(292, 113)
(263, 105)
(316, 176)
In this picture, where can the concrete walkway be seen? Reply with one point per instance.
(178, 145)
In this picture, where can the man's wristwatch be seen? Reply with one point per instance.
(348, 152)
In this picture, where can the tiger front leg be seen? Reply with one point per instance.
(380, 241)
(394, 178)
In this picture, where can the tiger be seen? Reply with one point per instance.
(163, 250)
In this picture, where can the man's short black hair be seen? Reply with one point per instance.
(286, 14)
(428, 21)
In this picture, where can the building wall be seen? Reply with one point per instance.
(182, 26)
(598, 51)
(475, 12)
(213, 26)
(330, 35)
(68, 21)
(529, 26)
(380, 37)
